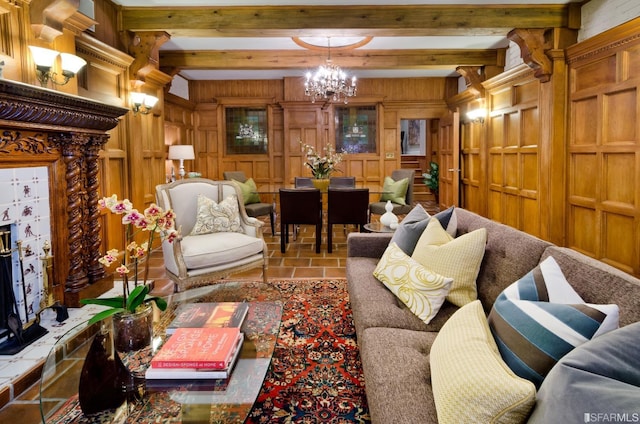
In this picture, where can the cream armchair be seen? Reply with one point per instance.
(216, 251)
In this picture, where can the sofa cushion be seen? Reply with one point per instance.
(596, 382)
(421, 290)
(588, 276)
(374, 305)
(458, 258)
(395, 363)
(396, 191)
(540, 318)
(509, 254)
(413, 225)
(249, 191)
(214, 217)
(471, 383)
(213, 249)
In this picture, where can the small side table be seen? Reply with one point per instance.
(377, 227)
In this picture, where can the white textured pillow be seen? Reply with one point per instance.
(458, 258)
(213, 217)
(421, 290)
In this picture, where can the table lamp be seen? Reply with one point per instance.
(181, 152)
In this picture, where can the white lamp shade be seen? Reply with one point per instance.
(150, 101)
(181, 151)
(137, 98)
(72, 63)
(43, 57)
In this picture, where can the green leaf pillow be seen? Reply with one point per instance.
(249, 191)
(395, 191)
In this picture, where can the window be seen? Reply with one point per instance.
(246, 130)
(356, 129)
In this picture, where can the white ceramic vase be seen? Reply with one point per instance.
(388, 219)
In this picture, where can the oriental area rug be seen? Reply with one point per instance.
(315, 374)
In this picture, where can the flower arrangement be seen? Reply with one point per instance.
(322, 166)
(153, 220)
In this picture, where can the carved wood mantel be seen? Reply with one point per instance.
(64, 133)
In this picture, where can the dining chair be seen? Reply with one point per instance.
(254, 209)
(217, 237)
(349, 182)
(300, 206)
(398, 209)
(303, 182)
(346, 206)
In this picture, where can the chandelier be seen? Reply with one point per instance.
(329, 82)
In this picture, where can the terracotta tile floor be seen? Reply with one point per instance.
(19, 393)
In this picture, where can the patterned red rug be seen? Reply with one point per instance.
(315, 374)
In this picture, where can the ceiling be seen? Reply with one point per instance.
(217, 40)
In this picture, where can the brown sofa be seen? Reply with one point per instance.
(394, 344)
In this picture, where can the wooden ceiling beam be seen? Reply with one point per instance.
(355, 59)
(325, 21)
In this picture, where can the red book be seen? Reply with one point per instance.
(213, 314)
(201, 348)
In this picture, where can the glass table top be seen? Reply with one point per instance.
(175, 401)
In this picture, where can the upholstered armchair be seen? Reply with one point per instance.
(399, 207)
(217, 237)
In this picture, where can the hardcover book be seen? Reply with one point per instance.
(205, 315)
(163, 375)
(205, 348)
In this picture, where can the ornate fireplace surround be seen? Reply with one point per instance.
(42, 127)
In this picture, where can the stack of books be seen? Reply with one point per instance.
(204, 342)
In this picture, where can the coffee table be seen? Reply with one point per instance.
(176, 401)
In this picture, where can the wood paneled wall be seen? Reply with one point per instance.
(603, 148)
(513, 151)
(293, 118)
(561, 159)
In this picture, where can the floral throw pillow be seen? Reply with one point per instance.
(213, 217)
(421, 290)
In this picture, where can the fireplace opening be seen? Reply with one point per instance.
(16, 331)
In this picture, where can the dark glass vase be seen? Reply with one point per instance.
(102, 376)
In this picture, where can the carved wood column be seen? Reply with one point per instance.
(92, 237)
(72, 146)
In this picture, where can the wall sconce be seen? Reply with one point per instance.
(142, 103)
(45, 59)
(477, 115)
(181, 152)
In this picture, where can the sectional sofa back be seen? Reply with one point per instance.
(597, 282)
(511, 253)
(508, 256)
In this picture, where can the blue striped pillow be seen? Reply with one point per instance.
(540, 318)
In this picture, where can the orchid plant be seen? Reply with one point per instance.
(322, 166)
(154, 221)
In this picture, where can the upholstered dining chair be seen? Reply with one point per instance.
(398, 208)
(217, 237)
(300, 206)
(346, 206)
(303, 182)
(252, 203)
(349, 182)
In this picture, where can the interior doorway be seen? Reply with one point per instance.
(413, 137)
